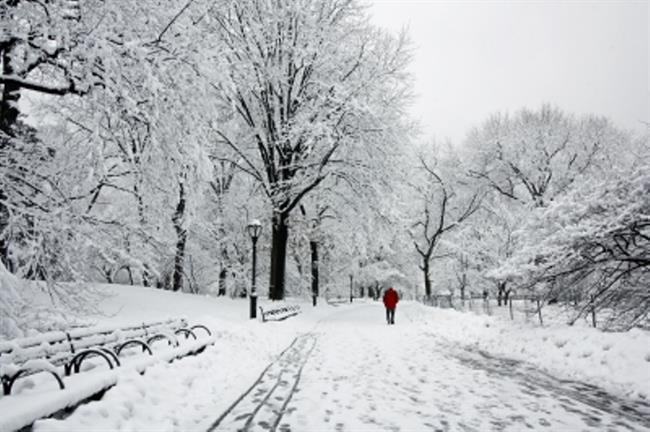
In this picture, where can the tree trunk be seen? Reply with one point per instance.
(4, 244)
(179, 259)
(146, 275)
(181, 235)
(10, 95)
(146, 269)
(463, 284)
(8, 117)
(502, 299)
(278, 256)
(463, 279)
(222, 281)
(223, 249)
(313, 246)
(108, 274)
(427, 279)
(507, 293)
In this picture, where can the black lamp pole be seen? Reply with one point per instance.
(254, 228)
(351, 285)
(253, 290)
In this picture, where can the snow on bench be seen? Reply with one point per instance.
(22, 410)
(279, 313)
(47, 352)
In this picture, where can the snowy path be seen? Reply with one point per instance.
(344, 369)
(352, 372)
(266, 400)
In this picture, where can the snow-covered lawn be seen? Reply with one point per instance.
(343, 368)
(616, 361)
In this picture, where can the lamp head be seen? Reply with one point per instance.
(254, 228)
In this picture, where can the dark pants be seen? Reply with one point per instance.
(390, 315)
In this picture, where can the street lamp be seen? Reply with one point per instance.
(351, 285)
(254, 229)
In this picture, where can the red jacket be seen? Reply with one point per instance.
(390, 298)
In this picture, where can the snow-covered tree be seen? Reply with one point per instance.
(527, 161)
(591, 245)
(305, 80)
(535, 155)
(445, 200)
(131, 137)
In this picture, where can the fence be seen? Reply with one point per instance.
(517, 308)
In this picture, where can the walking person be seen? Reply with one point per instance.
(390, 302)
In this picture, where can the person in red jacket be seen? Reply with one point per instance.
(390, 301)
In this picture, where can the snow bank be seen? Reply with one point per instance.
(618, 362)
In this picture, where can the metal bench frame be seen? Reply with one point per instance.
(71, 357)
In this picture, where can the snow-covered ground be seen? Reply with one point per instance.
(617, 361)
(343, 368)
(411, 377)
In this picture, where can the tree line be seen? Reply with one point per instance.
(137, 138)
(160, 129)
(545, 205)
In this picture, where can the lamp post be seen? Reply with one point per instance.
(254, 229)
(351, 285)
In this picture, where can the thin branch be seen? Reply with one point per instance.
(170, 23)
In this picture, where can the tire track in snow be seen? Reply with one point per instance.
(262, 406)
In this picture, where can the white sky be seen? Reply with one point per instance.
(474, 58)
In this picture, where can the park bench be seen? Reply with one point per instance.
(65, 351)
(338, 301)
(279, 313)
